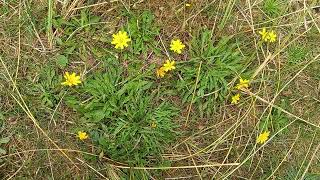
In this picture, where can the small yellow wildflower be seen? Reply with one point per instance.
(263, 137)
(169, 65)
(153, 125)
(235, 99)
(264, 34)
(176, 46)
(243, 83)
(82, 135)
(71, 80)
(120, 40)
(161, 72)
(268, 36)
(272, 36)
(188, 5)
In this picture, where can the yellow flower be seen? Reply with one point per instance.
(243, 83)
(264, 34)
(176, 46)
(71, 80)
(82, 135)
(263, 137)
(235, 99)
(153, 125)
(272, 36)
(268, 36)
(120, 40)
(169, 65)
(161, 72)
(188, 5)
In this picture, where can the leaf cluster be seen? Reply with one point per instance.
(220, 62)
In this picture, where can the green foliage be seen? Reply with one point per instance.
(143, 31)
(46, 89)
(61, 61)
(277, 119)
(227, 13)
(3, 141)
(220, 63)
(293, 173)
(86, 22)
(4, 8)
(297, 53)
(273, 8)
(119, 116)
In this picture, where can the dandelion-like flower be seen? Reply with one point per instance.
(263, 137)
(71, 80)
(243, 83)
(161, 72)
(272, 36)
(235, 99)
(264, 34)
(188, 5)
(177, 46)
(82, 135)
(120, 40)
(169, 65)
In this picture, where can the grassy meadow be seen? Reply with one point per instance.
(160, 89)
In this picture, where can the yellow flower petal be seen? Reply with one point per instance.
(235, 99)
(272, 36)
(264, 34)
(243, 84)
(71, 80)
(169, 65)
(153, 125)
(268, 36)
(120, 40)
(82, 135)
(177, 46)
(263, 137)
(161, 72)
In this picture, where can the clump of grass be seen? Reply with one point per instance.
(276, 120)
(220, 63)
(68, 40)
(46, 90)
(143, 31)
(123, 116)
(297, 53)
(273, 8)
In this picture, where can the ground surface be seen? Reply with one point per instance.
(140, 126)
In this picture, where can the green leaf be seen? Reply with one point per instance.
(4, 140)
(84, 18)
(62, 61)
(120, 114)
(2, 151)
(98, 115)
